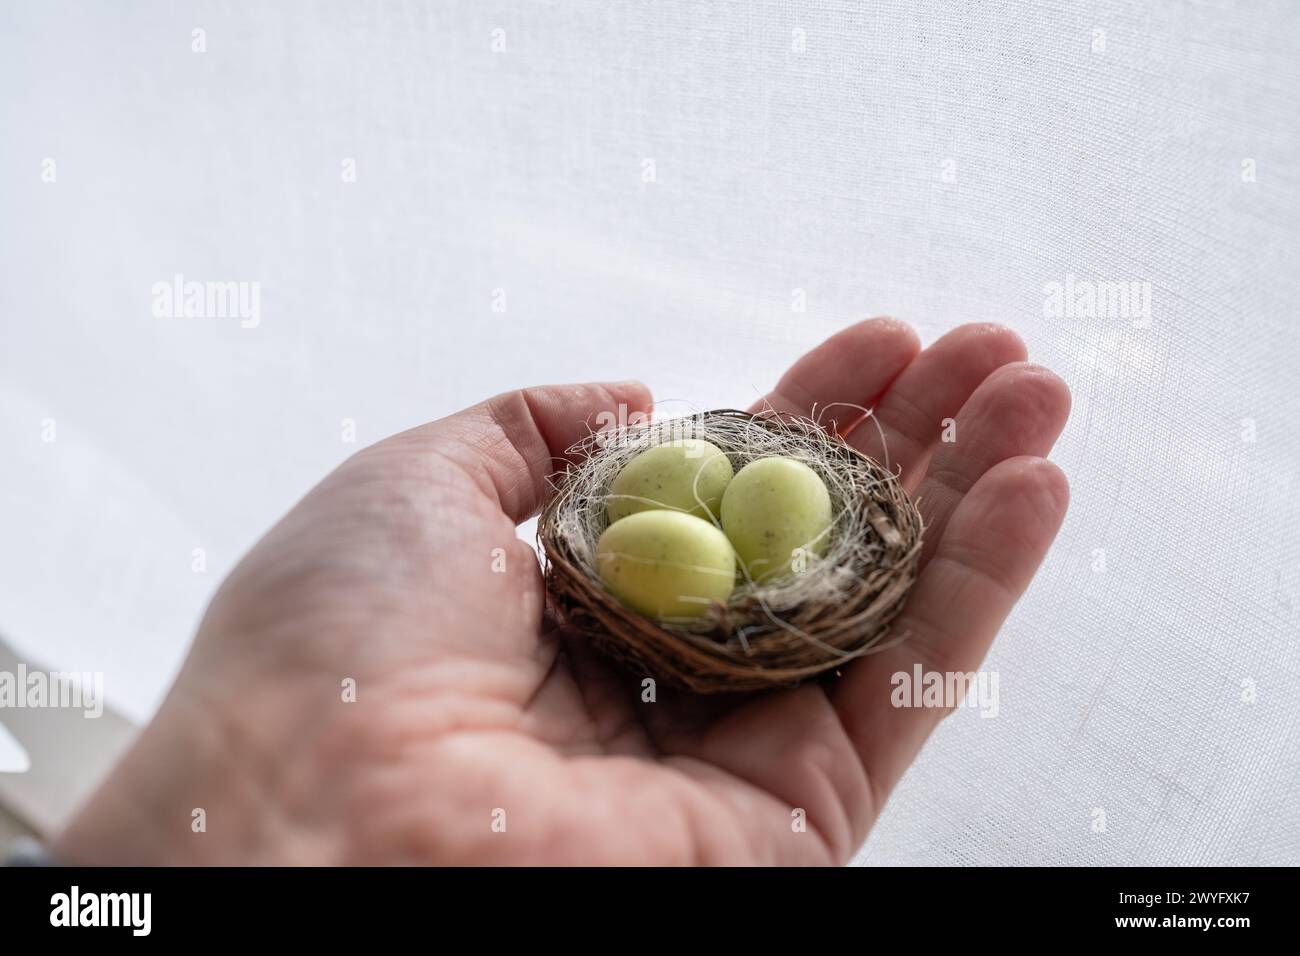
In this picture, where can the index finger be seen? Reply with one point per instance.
(846, 373)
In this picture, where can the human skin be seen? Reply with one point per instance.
(474, 707)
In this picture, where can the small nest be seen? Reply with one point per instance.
(771, 634)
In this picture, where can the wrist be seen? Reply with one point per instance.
(179, 796)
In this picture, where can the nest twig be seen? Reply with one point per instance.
(767, 635)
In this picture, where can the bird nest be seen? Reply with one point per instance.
(768, 634)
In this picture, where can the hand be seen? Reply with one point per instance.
(469, 702)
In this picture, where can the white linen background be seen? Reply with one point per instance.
(775, 169)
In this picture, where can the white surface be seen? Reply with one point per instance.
(13, 756)
(776, 169)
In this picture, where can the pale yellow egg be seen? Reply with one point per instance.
(687, 475)
(777, 514)
(666, 564)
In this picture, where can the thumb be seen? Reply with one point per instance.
(517, 439)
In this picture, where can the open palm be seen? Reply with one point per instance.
(479, 732)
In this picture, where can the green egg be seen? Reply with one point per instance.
(666, 564)
(777, 514)
(687, 475)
